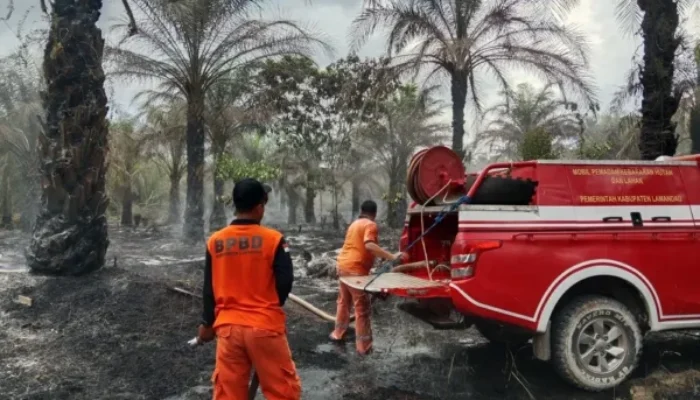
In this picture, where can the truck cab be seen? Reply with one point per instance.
(582, 257)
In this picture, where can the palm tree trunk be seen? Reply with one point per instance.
(320, 203)
(694, 121)
(397, 204)
(694, 129)
(6, 199)
(336, 215)
(355, 198)
(127, 209)
(217, 220)
(282, 195)
(292, 205)
(194, 211)
(309, 212)
(402, 204)
(659, 104)
(31, 202)
(70, 234)
(174, 215)
(392, 203)
(459, 101)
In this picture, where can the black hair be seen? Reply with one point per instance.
(248, 193)
(368, 207)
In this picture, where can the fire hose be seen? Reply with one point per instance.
(391, 265)
(432, 172)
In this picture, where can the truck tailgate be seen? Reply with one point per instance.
(398, 284)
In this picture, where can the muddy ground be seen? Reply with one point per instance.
(121, 334)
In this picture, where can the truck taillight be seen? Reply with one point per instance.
(462, 272)
(463, 265)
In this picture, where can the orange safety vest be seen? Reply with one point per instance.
(353, 257)
(243, 281)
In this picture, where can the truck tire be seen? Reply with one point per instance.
(501, 334)
(596, 342)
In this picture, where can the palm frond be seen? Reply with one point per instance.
(190, 45)
(482, 38)
(522, 111)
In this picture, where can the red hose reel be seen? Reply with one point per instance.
(435, 173)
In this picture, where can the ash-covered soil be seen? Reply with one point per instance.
(121, 334)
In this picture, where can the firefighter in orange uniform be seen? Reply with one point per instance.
(356, 258)
(247, 278)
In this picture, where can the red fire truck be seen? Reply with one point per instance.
(582, 257)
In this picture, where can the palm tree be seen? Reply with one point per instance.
(294, 177)
(658, 23)
(406, 124)
(5, 193)
(126, 160)
(525, 111)
(70, 233)
(693, 120)
(20, 124)
(165, 127)
(230, 112)
(193, 45)
(685, 86)
(659, 27)
(464, 39)
(610, 137)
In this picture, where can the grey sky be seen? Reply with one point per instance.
(611, 50)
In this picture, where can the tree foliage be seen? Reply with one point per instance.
(406, 121)
(232, 169)
(165, 126)
(317, 113)
(610, 137)
(21, 123)
(466, 39)
(192, 46)
(656, 75)
(694, 117)
(527, 111)
(536, 144)
(127, 162)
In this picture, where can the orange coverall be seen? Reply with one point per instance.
(248, 276)
(354, 259)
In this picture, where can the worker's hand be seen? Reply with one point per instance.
(400, 257)
(205, 334)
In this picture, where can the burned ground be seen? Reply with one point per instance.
(120, 334)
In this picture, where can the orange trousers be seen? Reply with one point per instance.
(348, 297)
(238, 349)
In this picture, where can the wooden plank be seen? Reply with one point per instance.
(389, 281)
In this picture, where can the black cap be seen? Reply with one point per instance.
(248, 193)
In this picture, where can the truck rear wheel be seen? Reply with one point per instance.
(596, 342)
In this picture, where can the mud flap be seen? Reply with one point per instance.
(398, 284)
(542, 344)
